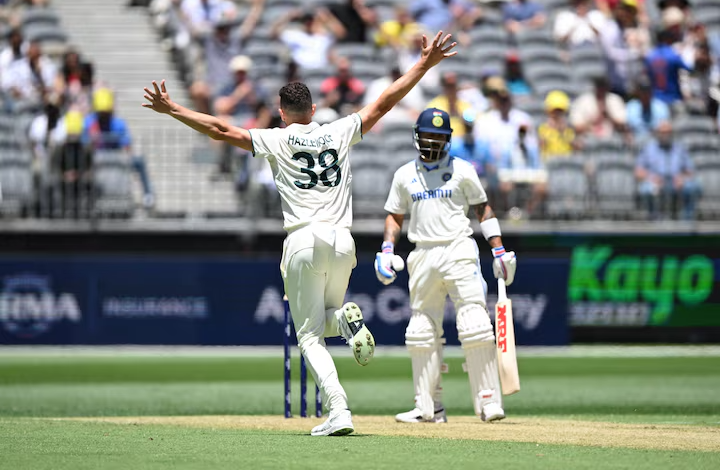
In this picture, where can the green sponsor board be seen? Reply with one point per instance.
(611, 288)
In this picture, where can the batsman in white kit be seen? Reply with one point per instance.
(311, 168)
(438, 191)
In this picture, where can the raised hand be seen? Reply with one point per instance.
(437, 50)
(159, 99)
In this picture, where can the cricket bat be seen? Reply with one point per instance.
(505, 336)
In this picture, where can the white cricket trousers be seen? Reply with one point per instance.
(439, 270)
(316, 265)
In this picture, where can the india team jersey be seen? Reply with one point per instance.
(311, 169)
(438, 197)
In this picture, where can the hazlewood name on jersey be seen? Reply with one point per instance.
(298, 141)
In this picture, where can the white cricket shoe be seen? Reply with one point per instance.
(415, 416)
(357, 335)
(339, 423)
(492, 412)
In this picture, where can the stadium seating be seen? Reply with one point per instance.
(606, 192)
(568, 189)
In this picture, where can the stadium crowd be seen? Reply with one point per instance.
(543, 92)
(62, 148)
(566, 108)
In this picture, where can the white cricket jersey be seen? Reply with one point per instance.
(438, 197)
(311, 169)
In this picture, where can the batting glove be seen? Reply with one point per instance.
(504, 264)
(387, 263)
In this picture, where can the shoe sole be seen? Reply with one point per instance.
(432, 421)
(420, 420)
(362, 342)
(492, 418)
(336, 431)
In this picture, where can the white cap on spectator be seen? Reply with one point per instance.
(325, 116)
(240, 63)
(672, 16)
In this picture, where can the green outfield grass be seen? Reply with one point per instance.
(683, 390)
(628, 389)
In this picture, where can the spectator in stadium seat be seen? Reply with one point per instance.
(622, 56)
(664, 171)
(310, 46)
(478, 94)
(607, 7)
(237, 99)
(555, 135)
(663, 65)
(32, 81)
(450, 102)
(514, 77)
(696, 85)
(72, 161)
(599, 112)
(393, 32)
(15, 49)
(236, 102)
(444, 14)
(579, 26)
(103, 130)
(356, 18)
(519, 15)
(476, 151)
(254, 182)
(407, 110)
(342, 92)
(199, 16)
(213, 71)
(509, 134)
(71, 69)
(409, 53)
(77, 78)
(684, 34)
(645, 112)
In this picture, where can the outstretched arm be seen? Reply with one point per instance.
(432, 54)
(252, 18)
(160, 102)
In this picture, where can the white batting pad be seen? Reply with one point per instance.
(426, 376)
(482, 371)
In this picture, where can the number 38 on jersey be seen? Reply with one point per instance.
(328, 174)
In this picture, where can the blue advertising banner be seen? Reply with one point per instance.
(229, 301)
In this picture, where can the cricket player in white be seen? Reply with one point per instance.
(312, 173)
(438, 190)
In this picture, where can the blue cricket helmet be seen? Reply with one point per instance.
(435, 121)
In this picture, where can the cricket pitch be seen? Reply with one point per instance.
(532, 430)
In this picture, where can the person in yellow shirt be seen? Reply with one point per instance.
(449, 102)
(557, 137)
(398, 32)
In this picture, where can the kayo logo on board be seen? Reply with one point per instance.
(29, 307)
(609, 289)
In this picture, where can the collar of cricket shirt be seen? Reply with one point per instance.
(304, 128)
(442, 163)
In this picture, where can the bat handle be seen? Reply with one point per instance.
(502, 291)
